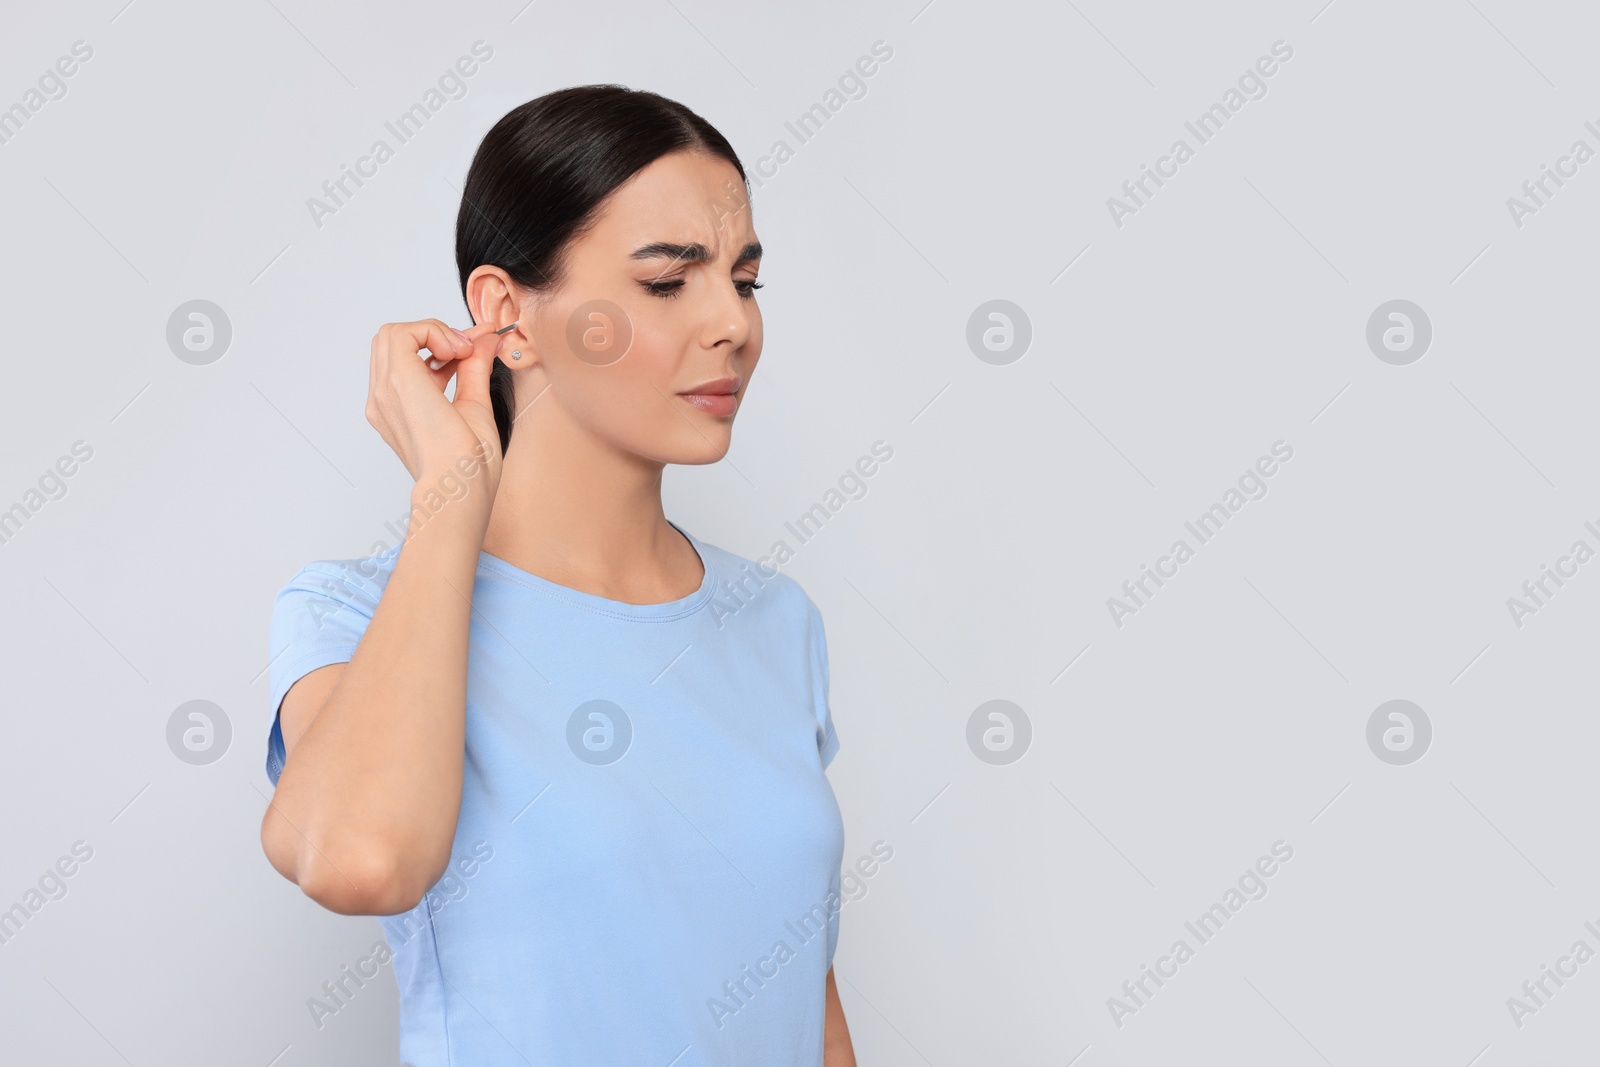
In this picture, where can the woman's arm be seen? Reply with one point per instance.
(836, 1048)
(366, 806)
(365, 810)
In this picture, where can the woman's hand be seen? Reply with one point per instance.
(406, 402)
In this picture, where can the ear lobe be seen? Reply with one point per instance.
(513, 349)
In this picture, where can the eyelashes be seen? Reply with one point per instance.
(669, 290)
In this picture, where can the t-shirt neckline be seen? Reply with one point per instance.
(664, 611)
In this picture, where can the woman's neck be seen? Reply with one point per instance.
(582, 514)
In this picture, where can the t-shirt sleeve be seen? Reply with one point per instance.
(827, 738)
(317, 619)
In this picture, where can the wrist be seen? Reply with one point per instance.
(447, 495)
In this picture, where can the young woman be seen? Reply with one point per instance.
(572, 754)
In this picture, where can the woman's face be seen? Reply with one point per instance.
(651, 340)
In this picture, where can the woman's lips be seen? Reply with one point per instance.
(713, 403)
(715, 397)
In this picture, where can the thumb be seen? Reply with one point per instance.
(472, 373)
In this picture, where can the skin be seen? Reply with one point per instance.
(365, 810)
(836, 1048)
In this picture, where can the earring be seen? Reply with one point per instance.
(516, 355)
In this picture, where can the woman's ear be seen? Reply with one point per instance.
(492, 296)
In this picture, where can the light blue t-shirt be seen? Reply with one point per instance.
(646, 867)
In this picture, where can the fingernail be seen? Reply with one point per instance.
(435, 364)
(464, 338)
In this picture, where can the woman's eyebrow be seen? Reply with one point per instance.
(692, 253)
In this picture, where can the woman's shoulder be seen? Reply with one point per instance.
(355, 580)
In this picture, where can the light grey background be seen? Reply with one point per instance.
(1167, 354)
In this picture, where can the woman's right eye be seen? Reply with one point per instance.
(665, 290)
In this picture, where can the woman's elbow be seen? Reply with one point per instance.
(348, 878)
(362, 881)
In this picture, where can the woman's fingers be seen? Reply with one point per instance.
(460, 350)
(442, 341)
(472, 381)
(469, 362)
(467, 345)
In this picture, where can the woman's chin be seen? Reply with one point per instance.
(708, 449)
